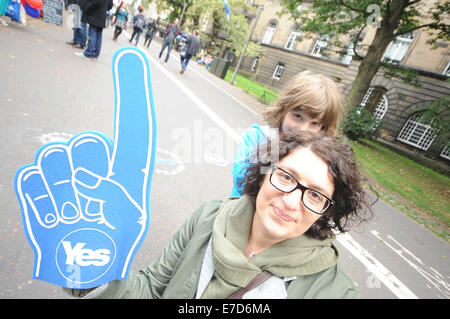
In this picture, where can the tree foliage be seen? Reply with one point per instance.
(175, 7)
(236, 30)
(437, 115)
(360, 123)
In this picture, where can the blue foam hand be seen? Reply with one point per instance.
(85, 203)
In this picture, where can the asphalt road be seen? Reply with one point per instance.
(47, 93)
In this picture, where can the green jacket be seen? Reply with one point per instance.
(175, 273)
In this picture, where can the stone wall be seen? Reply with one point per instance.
(405, 99)
(294, 62)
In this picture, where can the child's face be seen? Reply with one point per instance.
(298, 120)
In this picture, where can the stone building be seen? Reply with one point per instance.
(287, 51)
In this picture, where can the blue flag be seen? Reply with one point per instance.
(227, 10)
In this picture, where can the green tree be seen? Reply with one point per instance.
(437, 115)
(144, 3)
(392, 18)
(236, 30)
(175, 7)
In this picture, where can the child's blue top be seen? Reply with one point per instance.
(249, 141)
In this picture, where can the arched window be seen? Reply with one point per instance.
(446, 152)
(380, 109)
(270, 31)
(417, 134)
(293, 38)
(447, 69)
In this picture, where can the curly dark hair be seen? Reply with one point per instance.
(352, 201)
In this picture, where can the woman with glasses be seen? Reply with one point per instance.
(301, 190)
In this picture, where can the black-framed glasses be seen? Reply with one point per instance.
(314, 200)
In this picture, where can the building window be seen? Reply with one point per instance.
(254, 64)
(416, 134)
(380, 109)
(278, 71)
(320, 45)
(397, 49)
(366, 97)
(269, 33)
(446, 152)
(293, 38)
(348, 57)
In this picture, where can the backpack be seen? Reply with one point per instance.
(140, 23)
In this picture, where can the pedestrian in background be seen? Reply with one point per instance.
(109, 16)
(120, 20)
(169, 36)
(94, 13)
(138, 26)
(150, 33)
(79, 27)
(191, 49)
(205, 58)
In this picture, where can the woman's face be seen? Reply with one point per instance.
(281, 216)
(298, 120)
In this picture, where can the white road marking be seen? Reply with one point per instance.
(226, 93)
(377, 268)
(199, 103)
(167, 163)
(437, 280)
(248, 108)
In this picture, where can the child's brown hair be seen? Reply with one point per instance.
(315, 94)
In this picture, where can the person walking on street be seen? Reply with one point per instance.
(192, 46)
(94, 13)
(120, 20)
(138, 26)
(149, 34)
(169, 36)
(79, 28)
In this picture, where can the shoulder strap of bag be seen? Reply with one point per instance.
(255, 282)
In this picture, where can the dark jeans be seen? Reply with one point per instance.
(185, 60)
(148, 40)
(94, 42)
(79, 34)
(136, 32)
(165, 44)
(117, 32)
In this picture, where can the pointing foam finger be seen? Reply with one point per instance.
(91, 152)
(134, 131)
(37, 204)
(56, 169)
